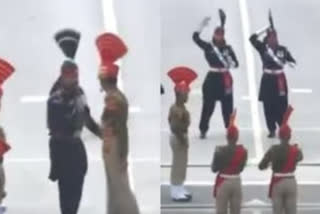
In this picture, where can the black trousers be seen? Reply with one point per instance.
(70, 192)
(213, 90)
(208, 109)
(274, 111)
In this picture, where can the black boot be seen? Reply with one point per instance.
(272, 134)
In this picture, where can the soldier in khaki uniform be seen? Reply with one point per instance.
(179, 121)
(6, 71)
(284, 159)
(114, 128)
(229, 161)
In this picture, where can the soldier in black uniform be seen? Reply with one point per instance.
(218, 83)
(273, 89)
(68, 113)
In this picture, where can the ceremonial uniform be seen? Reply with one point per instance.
(114, 127)
(218, 84)
(229, 161)
(6, 70)
(273, 88)
(283, 159)
(67, 115)
(2, 173)
(179, 122)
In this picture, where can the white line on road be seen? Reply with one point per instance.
(301, 90)
(34, 99)
(250, 63)
(245, 183)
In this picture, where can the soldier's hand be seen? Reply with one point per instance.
(205, 21)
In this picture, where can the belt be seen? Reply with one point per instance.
(283, 175)
(218, 70)
(274, 72)
(230, 176)
(76, 134)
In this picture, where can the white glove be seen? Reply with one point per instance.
(262, 31)
(204, 23)
(292, 64)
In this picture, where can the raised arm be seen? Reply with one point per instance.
(254, 39)
(234, 58)
(196, 35)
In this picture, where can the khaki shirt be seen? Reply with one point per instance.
(277, 156)
(179, 120)
(222, 157)
(115, 116)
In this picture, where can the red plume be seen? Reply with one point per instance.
(233, 130)
(182, 77)
(285, 130)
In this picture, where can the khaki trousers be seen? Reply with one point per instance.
(179, 160)
(284, 196)
(229, 193)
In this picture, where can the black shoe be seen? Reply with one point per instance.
(203, 135)
(272, 134)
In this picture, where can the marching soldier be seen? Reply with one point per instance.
(114, 127)
(68, 113)
(179, 121)
(6, 71)
(218, 84)
(284, 159)
(229, 161)
(273, 89)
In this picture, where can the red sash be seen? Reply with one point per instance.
(4, 147)
(287, 168)
(227, 82)
(281, 79)
(231, 169)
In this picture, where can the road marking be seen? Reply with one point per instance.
(246, 98)
(250, 63)
(301, 90)
(196, 91)
(244, 183)
(34, 99)
(135, 109)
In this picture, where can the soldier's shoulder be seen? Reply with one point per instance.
(220, 149)
(282, 47)
(55, 97)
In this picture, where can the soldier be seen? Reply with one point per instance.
(218, 84)
(273, 89)
(114, 127)
(68, 113)
(229, 161)
(6, 71)
(161, 89)
(284, 159)
(179, 121)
